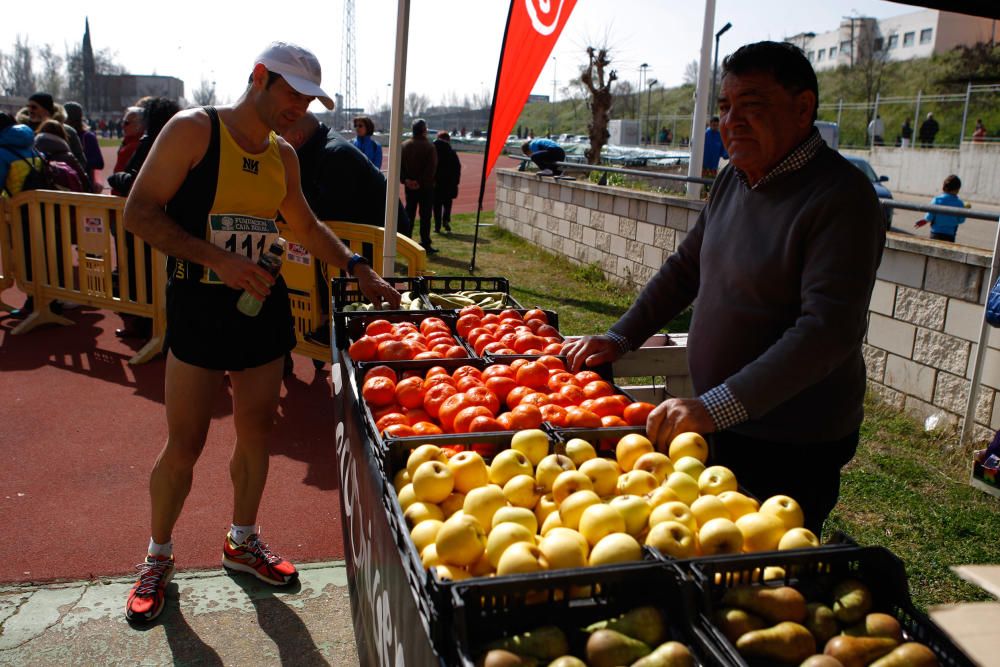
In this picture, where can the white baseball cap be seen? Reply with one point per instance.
(298, 66)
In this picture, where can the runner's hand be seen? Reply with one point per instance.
(675, 416)
(590, 351)
(240, 273)
(374, 288)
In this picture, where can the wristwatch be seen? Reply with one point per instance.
(354, 261)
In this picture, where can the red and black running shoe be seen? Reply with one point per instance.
(145, 600)
(255, 557)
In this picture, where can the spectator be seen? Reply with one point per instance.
(418, 162)
(928, 130)
(906, 133)
(364, 128)
(50, 140)
(980, 132)
(41, 108)
(876, 131)
(545, 153)
(714, 150)
(446, 179)
(135, 127)
(17, 154)
(944, 227)
(91, 146)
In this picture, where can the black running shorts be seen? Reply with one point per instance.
(205, 329)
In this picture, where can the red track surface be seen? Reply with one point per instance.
(81, 430)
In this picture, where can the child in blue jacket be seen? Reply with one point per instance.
(944, 227)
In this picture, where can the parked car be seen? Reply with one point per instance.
(877, 181)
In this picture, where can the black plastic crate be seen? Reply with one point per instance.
(484, 610)
(344, 291)
(814, 572)
(451, 284)
(351, 326)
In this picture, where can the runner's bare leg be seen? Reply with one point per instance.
(255, 404)
(190, 395)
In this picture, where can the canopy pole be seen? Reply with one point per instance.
(984, 335)
(395, 137)
(696, 145)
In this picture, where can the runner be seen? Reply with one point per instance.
(207, 197)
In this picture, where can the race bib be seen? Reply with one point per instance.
(244, 234)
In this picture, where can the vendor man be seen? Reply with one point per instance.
(782, 261)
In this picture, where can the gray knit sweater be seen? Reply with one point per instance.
(783, 276)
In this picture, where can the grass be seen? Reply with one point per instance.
(905, 490)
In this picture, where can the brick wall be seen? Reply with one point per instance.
(926, 307)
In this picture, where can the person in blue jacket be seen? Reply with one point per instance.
(364, 128)
(944, 227)
(713, 149)
(17, 154)
(544, 153)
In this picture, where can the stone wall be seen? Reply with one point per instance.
(926, 307)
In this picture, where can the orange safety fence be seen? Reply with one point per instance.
(71, 247)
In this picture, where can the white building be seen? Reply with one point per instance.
(914, 35)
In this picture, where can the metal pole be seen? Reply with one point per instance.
(696, 146)
(977, 365)
(965, 114)
(395, 136)
(715, 73)
(875, 117)
(916, 119)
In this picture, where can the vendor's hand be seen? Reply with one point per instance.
(240, 273)
(374, 288)
(675, 416)
(590, 351)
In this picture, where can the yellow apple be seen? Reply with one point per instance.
(450, 573)
(470, 471)
(482, 567)
(563, 547)
(533, 443)
(637, 482)
(504, 535)
(716, 479)
(761, 531)
(738, 504)
(422, 454)
(553, 520)
(706, 508)
(406, 497)
(786, 509)
(673, 539)
(579, 450)
(603, 474)
(615, 548)
(522, 558)
(545, 506)
(453, 503)
(482, 503)
(673, 511)
(656, 463)
(798, 538)
(688, 444)
(570, 482)
(685, 487)
(689, 465)
(635, 510)
(572, 508)
(401, 479)
(460, 541)
(418, 511)
(507, 464)
(720, 536)
(600, 520)
(549, 468)
(432, 482)
(520, 515)
(661, 494)
(521, 491)
(429, 556)
(424, 533)
(630, 448)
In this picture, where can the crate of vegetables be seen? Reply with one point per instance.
(394, 336)
(510, 332)
(457, 292)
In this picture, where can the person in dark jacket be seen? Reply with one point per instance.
(91, 147)
(50, 140)
(928, 130)
(417, 166)
(446, 179)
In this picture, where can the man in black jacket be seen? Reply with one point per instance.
(446, 178)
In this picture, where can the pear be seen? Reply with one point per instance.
(545, 643)
(821, 622)
(910, 654)
(647, 624)
(859, 651)
(775, 604)
(502, 658)
(567, 661)
(820, 660)
(851, 601)
(669, 654)
(607, 648)
(785, 642)
(735, 622)
(877, 625)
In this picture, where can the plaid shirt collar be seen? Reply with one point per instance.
(797, 159)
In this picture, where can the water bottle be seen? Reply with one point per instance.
(270, 261)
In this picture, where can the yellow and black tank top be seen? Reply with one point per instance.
(230, 199)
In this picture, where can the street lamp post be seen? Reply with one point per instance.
(649, 95)
(552, 130)
(638, 98)
(715, 67)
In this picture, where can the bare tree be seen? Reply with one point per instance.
(105, 62)
(869, 65)
(52, 79)
(598, 81)
(691, 72)
(204, 96)
(19, 77)
(415, 104)
(625, 92)
(482, 99)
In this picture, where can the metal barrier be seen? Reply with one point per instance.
(59, 246)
